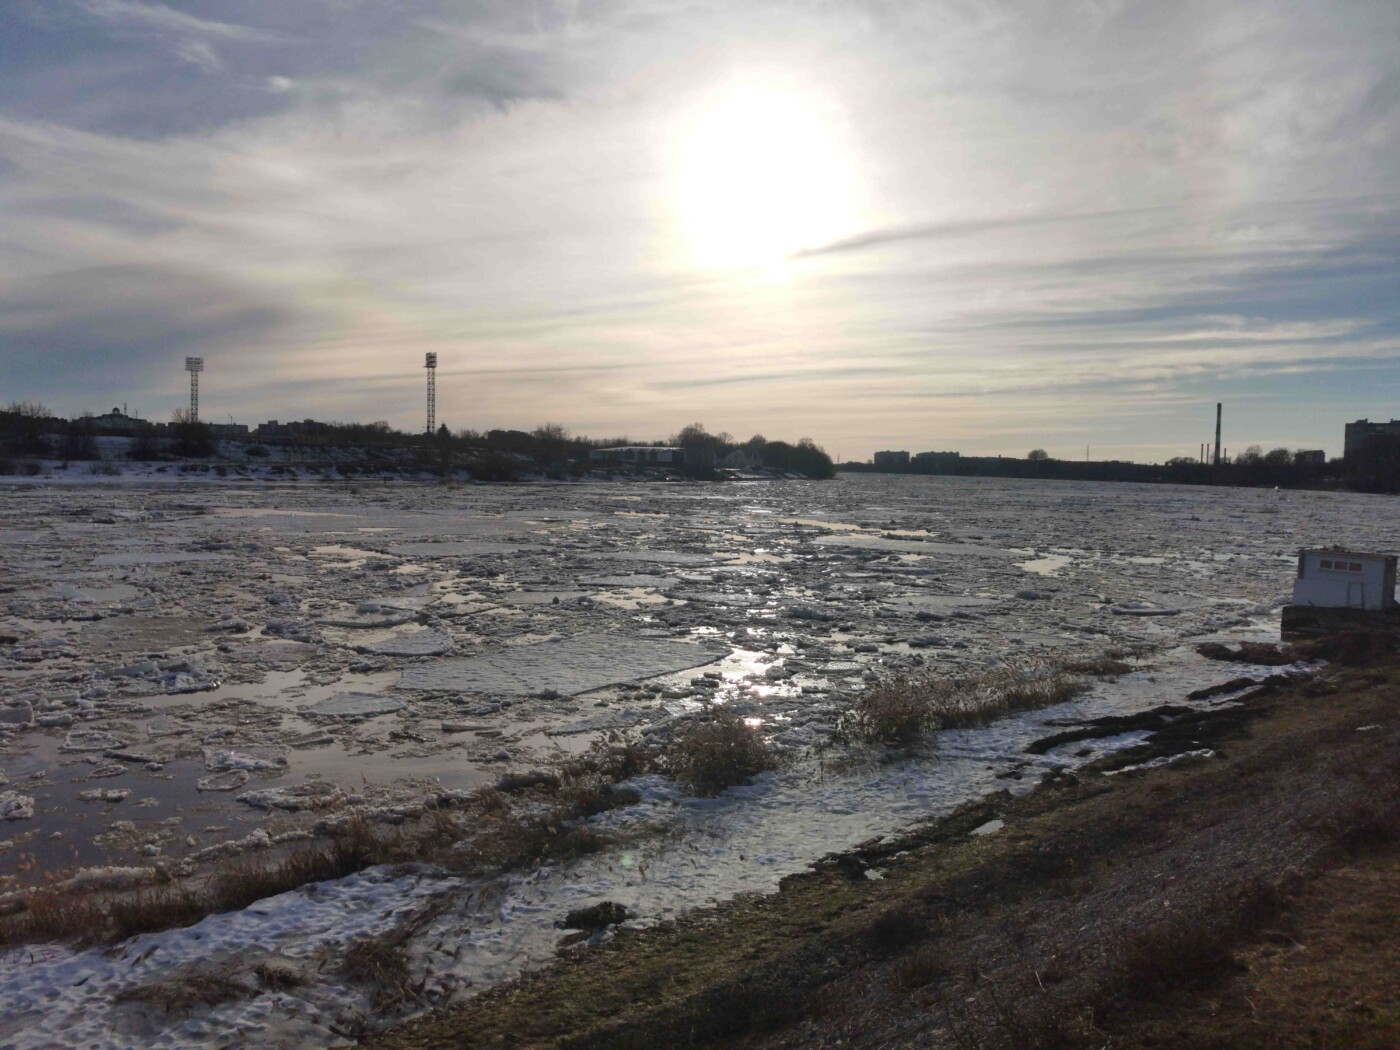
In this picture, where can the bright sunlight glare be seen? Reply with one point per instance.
(760, 179)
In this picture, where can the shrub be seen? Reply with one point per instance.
(720, 751)
(489, 466)
(900, 710)
(614, 756)
(1186, 952)
(896, 927)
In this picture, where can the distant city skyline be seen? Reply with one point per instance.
(923, 226)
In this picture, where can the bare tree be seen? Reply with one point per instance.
(192, 438)
(25, 423)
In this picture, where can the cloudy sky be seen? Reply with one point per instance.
(984, 225)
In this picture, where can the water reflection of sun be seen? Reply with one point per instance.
(761, 177)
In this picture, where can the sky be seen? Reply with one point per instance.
(983, 226)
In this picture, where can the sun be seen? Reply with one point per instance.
(761, 178)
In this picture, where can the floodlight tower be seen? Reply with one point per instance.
(431, 365)
(194, 365)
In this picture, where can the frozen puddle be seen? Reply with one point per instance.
(565, 667)
(1048, 565)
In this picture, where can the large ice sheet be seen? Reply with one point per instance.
(157, 558)
(937, 604)
(565, 666)
(355, 705)
(659, 557)
(460, 548)
(425, 642)
(888, 543)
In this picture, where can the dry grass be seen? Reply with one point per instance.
(242, 881)
(52, 913)
(277, 977)
(897, 927)
(57, 912)
(718, 752)
(1186, 952)
(1008, 1023)
(185, 993)
(923, 966)
(150, 910)
(903, 709)
(383, 966)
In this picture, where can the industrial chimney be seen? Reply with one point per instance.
(1217, 433)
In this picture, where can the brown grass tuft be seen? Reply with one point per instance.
(926, 964)
(901, 710)
(278, 977)
(185, 993)
(720, 751)
(382, 966)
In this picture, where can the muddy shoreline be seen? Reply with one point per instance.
(942, 934)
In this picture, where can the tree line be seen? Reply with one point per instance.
(30, 429)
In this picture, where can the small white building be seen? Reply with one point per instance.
(1341, 579)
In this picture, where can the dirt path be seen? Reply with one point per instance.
(1107, 910)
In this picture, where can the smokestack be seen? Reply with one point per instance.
(1217, 433)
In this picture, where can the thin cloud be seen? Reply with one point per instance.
(951, 230)
(1051, 210)
(167, 19)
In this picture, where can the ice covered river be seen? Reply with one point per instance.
(191, 670)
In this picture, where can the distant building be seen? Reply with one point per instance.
(741, 459)
(305, 428)
(892, 459)
(1313, 457)
(1363, 430)
(639, 454)
(936, 459)
(227, 431)
(117, 422)
(1338, 579)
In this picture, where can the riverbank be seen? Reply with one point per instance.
(1149, 897)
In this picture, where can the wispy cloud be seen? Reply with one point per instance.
(166, 19)
(1060, 220)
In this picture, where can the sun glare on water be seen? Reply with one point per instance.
(761, 178)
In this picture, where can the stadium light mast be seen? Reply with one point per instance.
(430, 363)
(194, 365)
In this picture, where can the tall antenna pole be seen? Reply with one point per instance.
(194, 365)
(1217, 433)
(430, 363)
